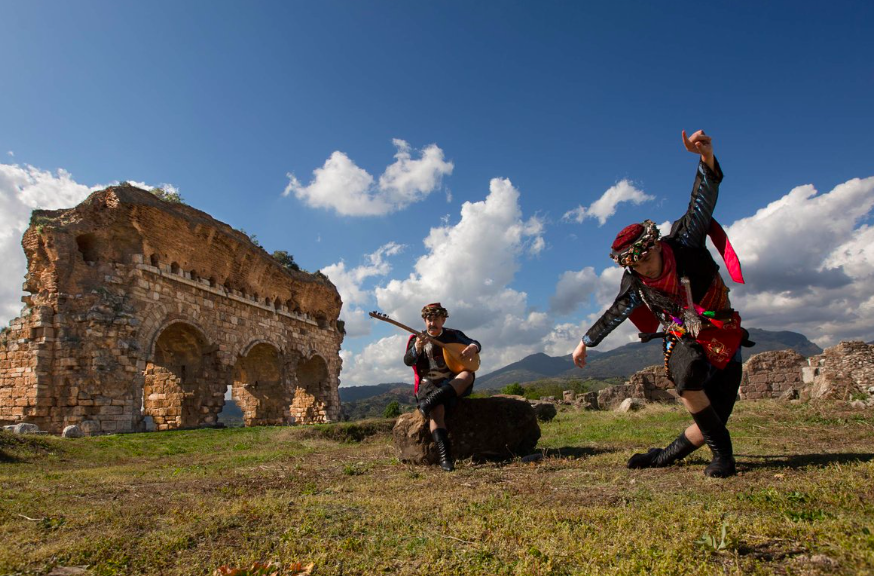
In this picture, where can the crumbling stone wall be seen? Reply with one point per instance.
(771, 374)
(650, 384)
(139, 309)
(842, 372)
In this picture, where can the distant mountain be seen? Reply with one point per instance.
(374, 406)
(354, 393)
(626, 360)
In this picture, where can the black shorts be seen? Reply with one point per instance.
(690, 370)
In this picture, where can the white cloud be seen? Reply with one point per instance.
(809, 263)
(11, 154)
(573, 289)
(605, 206)
(380, 361)
(349, 283)
(342, 186)
(469, 267)
(23, 189)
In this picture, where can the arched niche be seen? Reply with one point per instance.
(181, 388)
(311, 392)
(259, 388)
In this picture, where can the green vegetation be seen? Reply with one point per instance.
(555, 388)
(168, 195)
(514, 389)
(285, 259)
(189, 502)
(393, 410)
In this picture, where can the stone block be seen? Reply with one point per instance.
(631, 405)
(72, 431)
(25, 428)
(479, 428)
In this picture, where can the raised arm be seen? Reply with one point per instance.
(692, 228)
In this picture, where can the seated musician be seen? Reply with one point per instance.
(437, 388)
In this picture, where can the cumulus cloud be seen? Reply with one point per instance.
(23, 189)
(809, 263)
(469, 267)
(380, 361)
(349, 282)
(605, 206)
(342, 186)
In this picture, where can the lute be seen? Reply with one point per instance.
(451, 352)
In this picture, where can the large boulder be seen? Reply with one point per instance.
(479, 428)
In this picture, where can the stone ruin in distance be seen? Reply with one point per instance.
(144, 308)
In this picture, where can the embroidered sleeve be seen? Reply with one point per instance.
(691, 229)
(618, 312)
(411, 357)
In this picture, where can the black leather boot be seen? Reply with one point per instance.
(718, 439)
(436, 398)
(441, 438)
(660, 457)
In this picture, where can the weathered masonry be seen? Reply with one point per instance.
(143, 308)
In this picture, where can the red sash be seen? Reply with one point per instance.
(721, 341)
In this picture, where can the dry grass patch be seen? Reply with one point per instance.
(189, 502)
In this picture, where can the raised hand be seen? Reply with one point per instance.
(700, 143)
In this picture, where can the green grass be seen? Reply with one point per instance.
(188, 502)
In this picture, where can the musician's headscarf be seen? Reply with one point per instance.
(434, 309)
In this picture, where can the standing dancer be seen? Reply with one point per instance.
(674, 281)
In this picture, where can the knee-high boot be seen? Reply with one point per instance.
(718, 439)
(441, 438)
(660, 457)
(436, 398)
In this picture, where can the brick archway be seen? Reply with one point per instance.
(259, 386)
(182, 387)
(312, 379)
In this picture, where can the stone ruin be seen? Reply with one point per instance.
(843, 372)
(144, 309)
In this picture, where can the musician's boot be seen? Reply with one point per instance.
(435, 398)
(660, 457)
(718, 439)
(441, 438)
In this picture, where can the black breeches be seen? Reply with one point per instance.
(722, 387)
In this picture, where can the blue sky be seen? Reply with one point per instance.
(454, 142)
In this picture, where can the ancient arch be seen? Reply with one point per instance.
(182, 388)
(143, 308)
(259, 386)
(311, 382)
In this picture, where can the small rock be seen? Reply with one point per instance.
(9, 427)
(545, 411)
(536, 457)
(787, 395)
(72, 431)
(569, 395)
(631, 405)
(858, 405)
(25, 428)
